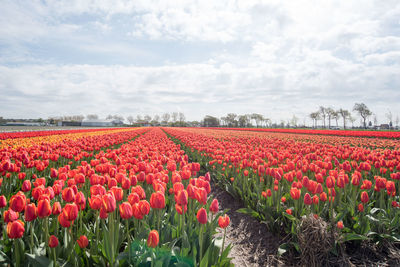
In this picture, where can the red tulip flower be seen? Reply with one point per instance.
(3, 201)
(125, 210)
(30, 212)
(53, 241)
(214, 207)
(26, 186)
(83, 241)
(153, 239)
(18, 202)
(202, 216)
(44, 208)
(15, 229)
(157, 200)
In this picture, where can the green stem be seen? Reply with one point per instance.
(31, 237)
(54, 256)
(201, 242)
(223, 242)
(129, 241)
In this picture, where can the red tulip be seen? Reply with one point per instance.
(10, 216)
(214, 207)
(15, 229)
(18, 202)
(182, 198)
(360, 207)
(26, 186)
(3, 201)
(307, 199)
(44, 208)
(133, 198)
(181, 209)
(83, 241)
(30, 212)
(109, 203)
(68, 194)
(364, 197)
(153, 239)
(56, 208)
(95, 202)
(157, 200)
(202, 216)
(223, 221)
(53, 241)
(295, 193)
(125, 210)
(64, 222)
(70, 211)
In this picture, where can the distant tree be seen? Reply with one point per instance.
(130, 119)
(231, 120)
(335, 116)
(243, 120)
(294, 121)
(397, 121)
(363, 111)
(165, 118)
(315, 117)
(175, 116)
(389, 116)
(345, 115)
(352, 119)
(156, 120)
(182, 118)
(210, 121)
(146, 119)
(139, 119)
(224, 121)
(267, 122)
(109, 117)
(330, 112)
(375, 118)
(92, 117)
(323, 113)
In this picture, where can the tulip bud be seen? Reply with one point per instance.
(153, 239)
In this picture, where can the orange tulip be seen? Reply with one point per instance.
(223, 221)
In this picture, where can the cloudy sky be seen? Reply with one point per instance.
(277, 58)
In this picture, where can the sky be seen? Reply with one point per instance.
(207, 57)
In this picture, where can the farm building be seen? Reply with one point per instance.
(101, 123)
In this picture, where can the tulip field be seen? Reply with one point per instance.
(142, 196)
(347, 184)
(105, 197)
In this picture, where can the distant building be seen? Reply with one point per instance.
(384, 126)
(69, 123)
(101, 123)
(23, 123)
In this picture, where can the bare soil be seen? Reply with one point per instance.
(252, 244)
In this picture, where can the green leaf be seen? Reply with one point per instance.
(36, 260)
(250, 212)
(290, 217)
(353, 236)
